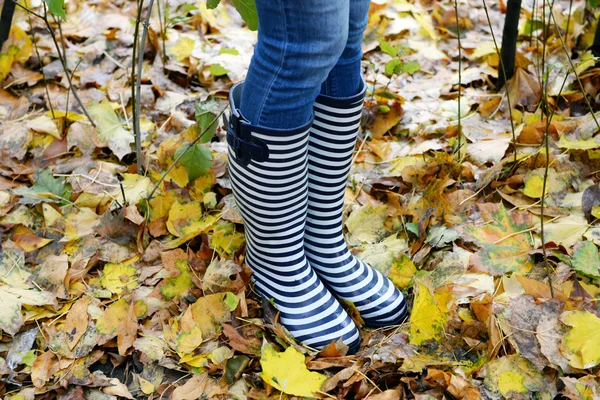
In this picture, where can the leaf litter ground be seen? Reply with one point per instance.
(108, 292)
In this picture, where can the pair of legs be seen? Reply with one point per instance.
(305, 48)
(291, 133)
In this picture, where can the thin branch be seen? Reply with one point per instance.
(585, 97)
(546, 143)
(138, 86)
(29, 10)
(200, 136)
(134, 115)
(64, 50)
(503, 69)
(37, 52)
(163, 32)
(63, 61)
(458, 147)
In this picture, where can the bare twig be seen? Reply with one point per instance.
(566, 50)
(549, 116)
(163, 31)
(64, 50)
(200, 136)
(37, 52)
(503, 69)
(61, 58)
(138, 85)
(458, 147)
(30, 11)
(134, 115)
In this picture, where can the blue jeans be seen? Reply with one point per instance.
(305, 47)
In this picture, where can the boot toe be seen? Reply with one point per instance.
(393, 312)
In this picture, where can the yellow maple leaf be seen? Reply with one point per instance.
(186, 222)
(513, 376)
(209, 312)
(116, 277)
(287, 372)
(582, 344)
(183, 335)
(402, 272)
(427, 321)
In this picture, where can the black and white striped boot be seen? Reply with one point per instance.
(331, 146)
(268, 170)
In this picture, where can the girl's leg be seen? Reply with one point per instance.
(345, 79)
(331, 145)
(299, 42)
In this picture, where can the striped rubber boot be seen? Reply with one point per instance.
(268, 170)
(331, 146)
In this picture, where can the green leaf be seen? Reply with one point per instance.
(586, 260)
(412, 227)
(232, 51)
(205, 116)
(179, 19)
(217, 70)
(387, 48)
(593, 4)
(45, 189)
(393, 67)
(57, 7)
(232, 301)
(247, 9)
(196, 161)
(190, 7)
(411, 67)
(109, 129)
(212, 4)
(46, 183)
(29, 358)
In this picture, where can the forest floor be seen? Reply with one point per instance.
(116, 283)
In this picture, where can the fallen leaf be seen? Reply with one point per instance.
(427, 321)
(565, 230)
(287, 372)
(513, 377)
(77, 321)
(365, 224)
(402, 272)
(504, 242)
(109, 129)
(581, 345)
(11, 318)
(586, 259)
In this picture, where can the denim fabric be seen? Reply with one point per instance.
(304, 47)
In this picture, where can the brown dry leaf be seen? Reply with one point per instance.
(522, 320)
(196, 387)
(247, 344)
(40, 371)
(27, 240)
(77, 321)
(540, 290)
(550, 332)
(127, 332)
(391, 394)
(51, 275)
(117, 389)
(524, 89)
(383, 122)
